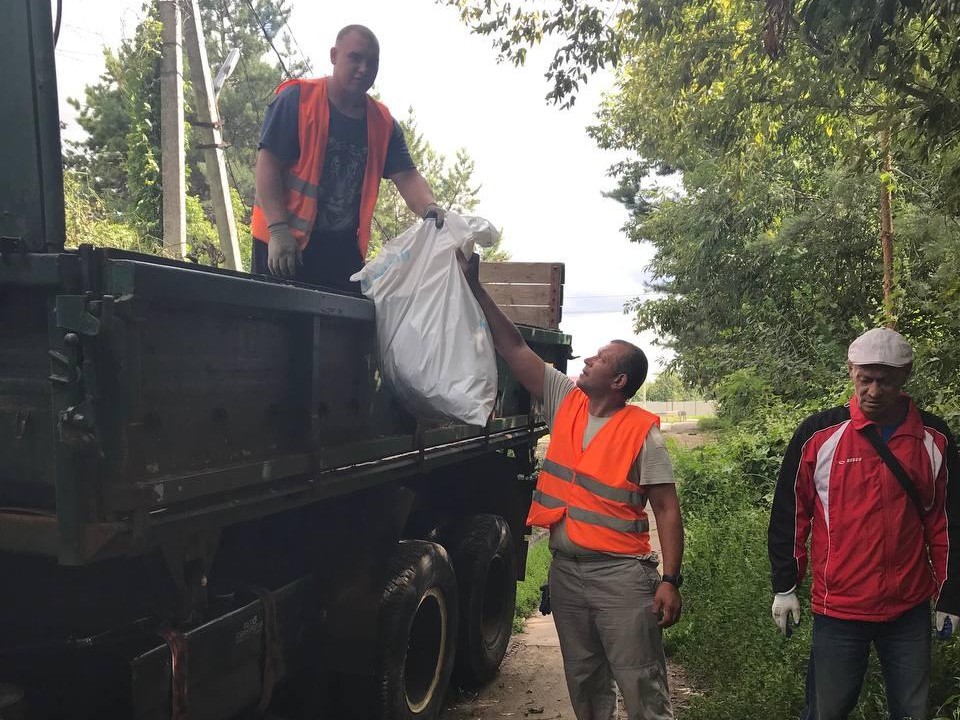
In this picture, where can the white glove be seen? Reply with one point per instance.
(786, 606)
(945, 633)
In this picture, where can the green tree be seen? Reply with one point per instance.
(666, 387)
(768, 257)
(120, 156)
(88, 220)
(768, 260)
(121, 116)
(452, 185)
(246, 26)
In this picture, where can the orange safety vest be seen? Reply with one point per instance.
(303, 178)
(604, 510)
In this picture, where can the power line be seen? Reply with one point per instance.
(303, 55)
(86, 31)
(257, 103)
(628, 296)
(236, 185)
(593, 312)
(269, 39)
(78, 53)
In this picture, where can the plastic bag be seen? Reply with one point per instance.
(436, 350)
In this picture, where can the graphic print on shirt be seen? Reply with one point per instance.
(341, 185)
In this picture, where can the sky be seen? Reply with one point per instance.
(542, 178)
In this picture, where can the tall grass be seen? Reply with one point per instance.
(528, 591)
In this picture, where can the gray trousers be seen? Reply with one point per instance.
(608, 634)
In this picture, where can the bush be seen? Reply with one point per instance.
(737, 472)
(726, 640)
(741, 394)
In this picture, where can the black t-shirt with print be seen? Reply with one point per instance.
(332, 254)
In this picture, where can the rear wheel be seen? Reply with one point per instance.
(486, 567)
(417, 632)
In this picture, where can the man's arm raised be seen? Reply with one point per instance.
(524, 362)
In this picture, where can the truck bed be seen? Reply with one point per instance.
(141, 398)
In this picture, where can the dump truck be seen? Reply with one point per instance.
(211, 504)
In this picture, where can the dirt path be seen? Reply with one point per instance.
(531, 682)
(687, 433)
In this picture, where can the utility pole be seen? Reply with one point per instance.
(209, 126)
(172, 172)
(886, 229)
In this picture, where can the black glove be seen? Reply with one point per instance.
(545, 599)
(437, 213)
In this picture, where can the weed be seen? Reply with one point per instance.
(528, 590)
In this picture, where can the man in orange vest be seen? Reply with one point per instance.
(324, 147)
(606, 460)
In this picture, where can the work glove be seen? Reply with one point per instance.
(283, 253)
(786, 607)
(436, 212)
(545, 608)
(946, 624)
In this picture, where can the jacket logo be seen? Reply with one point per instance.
(850, 460)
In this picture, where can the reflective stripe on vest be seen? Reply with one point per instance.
(630, 497)
(302, 182)
(634, 526)
(603, 509)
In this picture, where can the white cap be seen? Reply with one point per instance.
(880, 346)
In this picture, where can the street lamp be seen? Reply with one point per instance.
(226, 70)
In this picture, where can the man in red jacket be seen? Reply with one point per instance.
(874, 486)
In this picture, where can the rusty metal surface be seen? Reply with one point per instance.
(229, 657)
(179, 669)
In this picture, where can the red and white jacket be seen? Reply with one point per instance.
(871, 556)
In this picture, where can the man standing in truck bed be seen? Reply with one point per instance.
(324, 147)
(605, 461)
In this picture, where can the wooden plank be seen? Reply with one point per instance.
(529, 293)
(508, 294)
(530, 315)
(521, 272)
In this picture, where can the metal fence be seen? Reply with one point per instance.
(680, 409)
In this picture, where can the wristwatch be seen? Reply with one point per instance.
(675, 580)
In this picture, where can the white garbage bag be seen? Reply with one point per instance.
(436, 350)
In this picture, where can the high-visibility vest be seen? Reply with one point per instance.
(604, 510)
(302, 183)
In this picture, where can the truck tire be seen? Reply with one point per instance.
(486, 567)
(417, 632)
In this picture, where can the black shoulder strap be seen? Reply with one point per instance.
(870, 431)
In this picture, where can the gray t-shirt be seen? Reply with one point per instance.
(651, 467)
